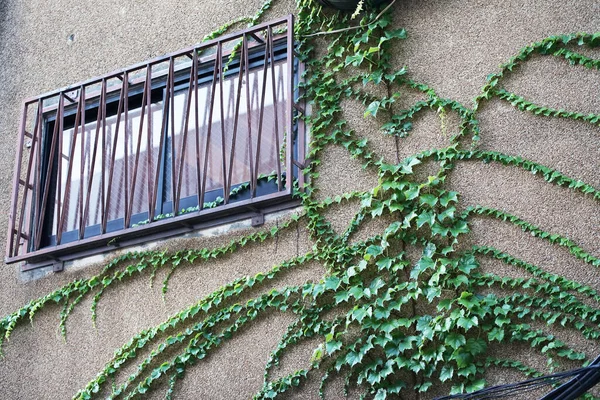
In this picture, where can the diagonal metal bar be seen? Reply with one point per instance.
(262, 109)
(199, 187)
(145, 94)
(171, 107)
(127, 132)
(57, 219)
(111, 168)
(40, 221)
(152, 185)
(275, 111)
(219, 68)
(80, 203)
(34, 145)
(169, 98)
(238, 98)
(249, 119)
(104, 148)
(184, 134)
(208, 133)
(91, 174)
(36, 202)
(289, 106)
(66, 203)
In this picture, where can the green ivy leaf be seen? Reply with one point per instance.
(446, 373)
(455, 340)
(372, 108)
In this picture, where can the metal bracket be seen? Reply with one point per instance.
(58, 266)
(258, 220)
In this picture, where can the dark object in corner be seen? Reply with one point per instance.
(581, 380)
(348, 5)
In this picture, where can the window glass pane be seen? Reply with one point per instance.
(83, 189)
(245, 142)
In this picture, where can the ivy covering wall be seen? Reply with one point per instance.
(388, 326)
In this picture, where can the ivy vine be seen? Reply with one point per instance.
(378, 342)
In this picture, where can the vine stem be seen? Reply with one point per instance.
(350, 28)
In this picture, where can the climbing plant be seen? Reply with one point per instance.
(386, 325)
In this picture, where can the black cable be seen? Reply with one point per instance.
(584, 382)
(582, 379)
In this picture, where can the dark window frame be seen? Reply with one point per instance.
(30, 236)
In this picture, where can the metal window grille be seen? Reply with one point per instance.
(202, 134)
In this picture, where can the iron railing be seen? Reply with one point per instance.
(158, 147)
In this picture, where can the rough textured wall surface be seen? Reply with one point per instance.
(452, 45)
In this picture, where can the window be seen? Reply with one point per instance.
(202, 136)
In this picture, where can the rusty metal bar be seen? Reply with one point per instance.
(149, 148)
(38, 177)
(122, 99)
(70, 167)
(257, 38)
(145, 94)
(249, 119)
(184, 134)
(290, 101)
(28, 185)
(86, 208)
(10, 236)
(199, 186)
(44, 203)
(171, 107)
(158, 230)
(169, 99)
(219, 67)
(80, 204)
(235, 120)
(262, 110)
(210, 115)
(103, 204)
(61, 106)
(275, 120)
(126, 148)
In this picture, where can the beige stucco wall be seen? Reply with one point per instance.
(452, 45)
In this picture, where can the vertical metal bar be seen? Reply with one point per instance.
(169, 98)
(145, 94)
(236, 117)
(30, 187)
(149, 151)
(38, 176)
(86, 209)
(65, 211)
(199, 186)
(275, 120)
(249, 118)
(61, 106)
(183, 149)
(40, 221)
(10, 237)
(103, 205)
(210, 115)
(122, 99)
(126, 145)
(82, 168)
(173, 153)
(262, 109)
(290, 105)
(222, 108)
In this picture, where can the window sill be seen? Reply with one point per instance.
(158, 230)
